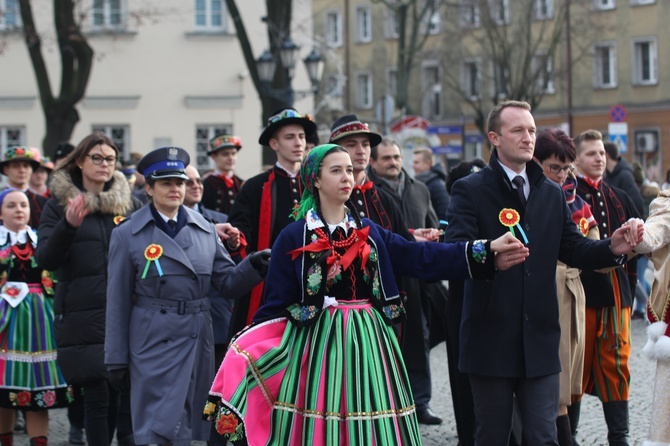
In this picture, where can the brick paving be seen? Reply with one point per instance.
(592, 425)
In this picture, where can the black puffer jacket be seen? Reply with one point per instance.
(79, 258)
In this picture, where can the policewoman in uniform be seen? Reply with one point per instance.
(159, 344)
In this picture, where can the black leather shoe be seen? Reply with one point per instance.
(426, 416)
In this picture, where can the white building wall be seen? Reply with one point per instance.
(161, 79)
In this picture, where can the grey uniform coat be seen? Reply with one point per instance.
(170, 355)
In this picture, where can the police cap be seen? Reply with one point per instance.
(164, 162)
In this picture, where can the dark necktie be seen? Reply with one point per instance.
(518, 182)
(172, 224)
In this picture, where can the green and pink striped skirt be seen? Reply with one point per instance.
(339, 381)
(30, 378)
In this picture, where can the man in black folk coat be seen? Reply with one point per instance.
(414, 200)
(510, 331)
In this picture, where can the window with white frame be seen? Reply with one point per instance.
(120, 134)
(471, 78)
(604, 4)
(392, 81)
(432, 99)
(364, 90)
(604, 65)
(334, 28)
(363, 24)
(433, 21)
(499, 80)
(392, 25)
(11, 135)
(499, 10)
(10, 18)
(544, 9)
(543, 68)
(645, 61)
(210, 15)
(203, 134)
(108, 14)
(469, 13)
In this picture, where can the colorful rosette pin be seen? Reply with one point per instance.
(584, 226)
(511, 218)
(152, 253)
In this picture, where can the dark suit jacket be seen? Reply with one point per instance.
(510, 324)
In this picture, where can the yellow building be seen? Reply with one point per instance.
(479, 52)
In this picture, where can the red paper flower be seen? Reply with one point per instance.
(23, 398)
(226, 424)
(509, 217)
(12, 291)
(583, 226)
(153, 252)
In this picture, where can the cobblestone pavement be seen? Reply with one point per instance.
(592, 430)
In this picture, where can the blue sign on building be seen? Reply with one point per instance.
(449, 149)
(444, 130)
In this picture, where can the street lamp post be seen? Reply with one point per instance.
(288, 52)
(284, 96)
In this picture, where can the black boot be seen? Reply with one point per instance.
(573, 414)
(563, 430)
(616, 416)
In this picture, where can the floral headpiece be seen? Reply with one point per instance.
(309, 171)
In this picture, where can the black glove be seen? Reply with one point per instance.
(120, 380)
(260, 260)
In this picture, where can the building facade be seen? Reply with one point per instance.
(583, 67)
(167, 72)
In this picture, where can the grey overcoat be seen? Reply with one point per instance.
(167, 346)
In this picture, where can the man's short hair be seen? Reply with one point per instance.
(612, 150)
(386, 141)
(587, 135)
(494, 117)
(426, 154)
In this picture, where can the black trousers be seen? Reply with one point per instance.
(537, 400)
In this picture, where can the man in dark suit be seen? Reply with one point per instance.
(510, 331)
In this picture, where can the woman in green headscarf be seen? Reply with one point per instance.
(320, 364)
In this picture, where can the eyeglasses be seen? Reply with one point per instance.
(98, 159)
(197, 181)
(288, 113)
(556, 169)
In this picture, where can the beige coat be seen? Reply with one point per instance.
(657, 242)
(571, 305)
(571, 309)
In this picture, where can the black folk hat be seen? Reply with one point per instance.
(349, 125)
(283, 117)
(164, 162)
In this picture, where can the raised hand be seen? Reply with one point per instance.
(627, 237)
(230, 234)
(509, 251)
(76, 211)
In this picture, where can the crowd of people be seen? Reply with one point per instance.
(299, 306)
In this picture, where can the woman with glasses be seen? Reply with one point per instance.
(555, 151)
(89, 198)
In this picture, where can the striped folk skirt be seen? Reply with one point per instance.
(339, 381)
(30, 378)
